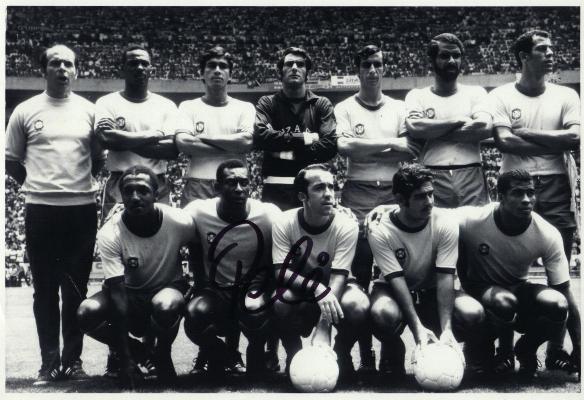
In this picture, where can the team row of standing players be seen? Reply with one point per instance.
(55, 140)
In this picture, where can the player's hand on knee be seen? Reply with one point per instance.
(339, 209)
(373, 218)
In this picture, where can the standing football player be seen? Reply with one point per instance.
(136, 126)
(446, 120)
(235, 235)
(313, 248)
(51, 150)
(371, 128)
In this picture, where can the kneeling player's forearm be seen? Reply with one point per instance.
(119, 316)
(404, 300)
(285, 277)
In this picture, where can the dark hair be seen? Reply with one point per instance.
(409, 178)
(228, 164)
(130, 48)
(525, 43)
(44, 59)
(139, 169)
(215, 52)
(364, 53)
(432, 50)
(297, 51)
(300, 182)
(505, 179)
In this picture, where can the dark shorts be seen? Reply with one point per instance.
(525, 292)
(362, 197)
(140, 306)
(283, 196)
(195, 189)
(553, 199)
(458, 187)
(112, 195)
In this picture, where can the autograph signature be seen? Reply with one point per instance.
(258, 274)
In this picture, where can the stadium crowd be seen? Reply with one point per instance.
(176, 36)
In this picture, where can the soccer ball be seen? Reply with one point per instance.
(314, 369)
(438, 367)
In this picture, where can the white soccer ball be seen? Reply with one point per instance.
(438, 367)
(314, 369)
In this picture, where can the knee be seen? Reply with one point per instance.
(88, 315)
(198, 315)
(386, 317)
(468, 313)
(503, 305)
(552, 305)
(355, 304)
(166, 305)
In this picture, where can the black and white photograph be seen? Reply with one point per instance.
(310, 197)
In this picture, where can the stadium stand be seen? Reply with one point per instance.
(176, 36)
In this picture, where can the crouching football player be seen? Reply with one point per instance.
(313, 248)
(416, 249)
(499, 242)
(235, 234)
(144, 285)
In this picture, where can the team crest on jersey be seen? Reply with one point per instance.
(516, 114)
(323, 258)
(38, 125)
(199, 126)
(484, 249)
(132, 262)
(400, 254)
(210, 237)
(359, 129)
(430, 113)
(121, 122)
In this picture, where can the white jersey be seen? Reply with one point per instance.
(331, 247)
(464, 103)
(199, 118)
(155, 113)
(492, 257)
(415, 254)
(358, 120)
(251, 240)
(147, 263)
(54, 140)
(556, 108)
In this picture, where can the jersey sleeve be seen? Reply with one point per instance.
(247, 118)
(16, 137)
(280, 241)
(102, 110)
(414, 108)
(447, 249)
(184, 122)
(111, 253)
(345, 248)
(479, 96)
(171, 116)
(571, 109)
(554, 259)
(402, 114)
(383, 253)
(494, 106)
(343, 123)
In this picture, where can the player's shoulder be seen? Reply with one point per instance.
(504, 90)
(444, 219)
(543, 226)
(348, 102)
(158, 98)
(81, 101)
(385, 223)
(177, 215)
(473, 90)
(189, 104)
(560, 90)
(393, 103)
(239, 103)
(110, 230)
(110, 97)
(198, 206)
(31, 104)
(260, 207)
(413, 92)
(466, 214)
(288, 217)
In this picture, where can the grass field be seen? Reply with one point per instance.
(23, 361)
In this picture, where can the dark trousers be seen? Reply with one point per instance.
(60, 242)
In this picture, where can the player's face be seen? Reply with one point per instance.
(294, 71)
(448, 61)
(138, 195)
(61, 71)
(519, 199)
(371, 70)
(216, 73)
(235, 186)
(420, 203)
(541, 58)
(320, 196)
(137, 67)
